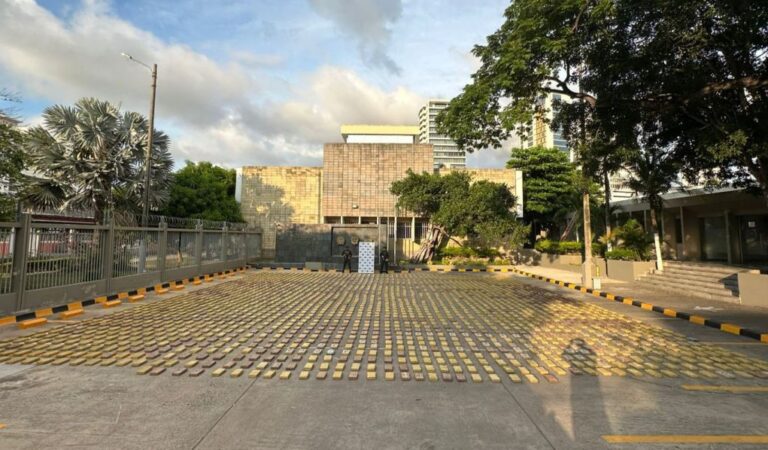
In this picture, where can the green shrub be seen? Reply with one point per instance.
(546, 246)
(631, 236)
(559, 247)
(457, 252)
(599, 249)
(570, 247)
(623, 254)
(487, 253)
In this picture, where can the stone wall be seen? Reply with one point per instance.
(505, 176)
(275, 197)
(361, 174)
(299, 243)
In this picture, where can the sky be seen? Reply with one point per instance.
(258, 82)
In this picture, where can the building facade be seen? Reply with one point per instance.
(542, 133)
(275, 197)
(724, 225)
(357, 178)
(352, 187)
(380, 134)
(446, 153)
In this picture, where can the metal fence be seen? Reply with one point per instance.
(47, 264)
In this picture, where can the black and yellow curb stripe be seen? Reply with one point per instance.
(72, 306)
(725, 327)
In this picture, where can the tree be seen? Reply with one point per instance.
(538, 50)
(12, 162)
(548, 178)
(652, 174)
(204, 191)
(91, 156)
(457, 207)
(695, 71)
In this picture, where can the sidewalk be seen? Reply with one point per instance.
(754, 318)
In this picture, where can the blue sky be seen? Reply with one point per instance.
(248, 82)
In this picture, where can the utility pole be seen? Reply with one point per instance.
(147, 163)
(150, 138)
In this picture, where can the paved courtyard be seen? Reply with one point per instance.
(302, 359)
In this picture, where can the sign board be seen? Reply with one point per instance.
(367, 257)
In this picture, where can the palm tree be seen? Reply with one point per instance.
(91, 156)
(653, 172)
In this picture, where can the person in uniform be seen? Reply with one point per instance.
(384, 261)
(347, 255)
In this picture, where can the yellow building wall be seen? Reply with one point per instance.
(278, 196)
(505, 176)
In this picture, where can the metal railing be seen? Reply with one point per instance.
(47, 264)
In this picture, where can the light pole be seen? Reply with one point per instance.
(147, 162)
(150, 137)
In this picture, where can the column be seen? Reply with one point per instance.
(682, 230)
(726, 215)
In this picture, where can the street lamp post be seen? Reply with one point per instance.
(147, 161)
(150, 138)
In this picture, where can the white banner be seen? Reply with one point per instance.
(367, 257)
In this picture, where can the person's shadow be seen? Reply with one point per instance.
(588, 417)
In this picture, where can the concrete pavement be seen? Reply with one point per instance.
(106, 406)
(752, 317)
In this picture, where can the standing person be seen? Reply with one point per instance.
(347, 255)
(384, 261)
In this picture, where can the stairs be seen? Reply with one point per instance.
(703, 280)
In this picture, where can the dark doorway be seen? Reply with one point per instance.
(713, 240)
(754, 237)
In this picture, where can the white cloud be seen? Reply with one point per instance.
(369, 22)
(209, 109)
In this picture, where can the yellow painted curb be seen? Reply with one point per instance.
(70, 313)
(74, 306)
(725, 388)
(44, 312)
(686, 439)
(7, 320)
(160, 290)
(728, 328)
(32, 323)
(697, 320)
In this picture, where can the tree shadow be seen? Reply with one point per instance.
(269, 207)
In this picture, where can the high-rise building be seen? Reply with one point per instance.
(446, 153)
(543, 134)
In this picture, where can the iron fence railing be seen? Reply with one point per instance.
(180, 249)
(59, 255)
(44, 263)
(6, 258)
(213, 247)
(136, 251)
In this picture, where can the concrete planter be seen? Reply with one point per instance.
(753, 287)
(530, 257)
(628, 270)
